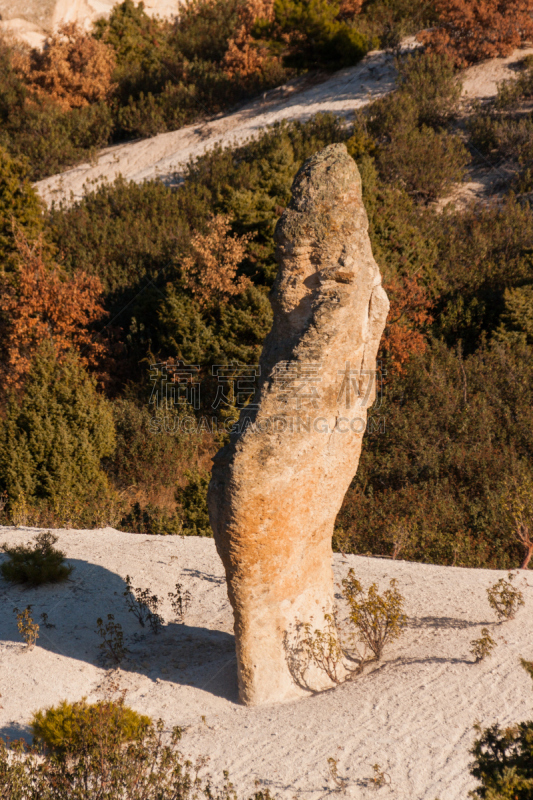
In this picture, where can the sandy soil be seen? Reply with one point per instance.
(413, 715)
(165, 156)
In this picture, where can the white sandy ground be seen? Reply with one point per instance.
(166, 155)
(414, 715)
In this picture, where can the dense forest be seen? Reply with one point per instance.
(99, 296)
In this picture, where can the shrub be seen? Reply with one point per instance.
(143, 606)
(39, 304)
(378, 619)
(101, 764)
(73, 69)
(28, 629)
(71, 727)
(427, 163)
(393, 20)
(316, 36)
(518, 505)
(430, 80)
(36, 563)
(322, 648)
(482, 647)
(20, 207)
(211, 271)
(503, 760)
(471, 30)
(193, 500)
(151, 520)
(54, 437)
(180, 600)
(439, 471)
(504, 598)
(411, 148)
(112, 645)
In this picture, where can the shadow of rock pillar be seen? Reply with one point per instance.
(277, 487)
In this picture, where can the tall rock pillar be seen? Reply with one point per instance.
(277, 487)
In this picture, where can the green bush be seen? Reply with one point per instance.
(377, 619)
(504, 598)
(411, 147)
(393, 20)
(35, 563)
(20, 207)
(439, 466)
(54, 437)
(427, 163)
(151, 520)
(101, 764)
(193, 500)
(431, 81)
(316, 36)
(503, 760)
(69, 727)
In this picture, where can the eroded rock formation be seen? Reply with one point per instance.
(33, 20)
(278, 486)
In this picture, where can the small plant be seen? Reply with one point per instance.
(28, 629)
(143, 605)
(333, 774)
(322, 647)
(504, 598)
(379, 778)
(69, 726)
(378, 619)
(180, 601)
(35, 563)
(112, 645)
(482, 647)
(503, 761)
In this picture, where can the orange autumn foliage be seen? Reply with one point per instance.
(350, 8)
(38, 303)
(211, 271)
(472, 30)
(73, 69)
(244, 58)
(409, 314)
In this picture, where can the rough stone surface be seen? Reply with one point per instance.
(33, 20)
(277, 487)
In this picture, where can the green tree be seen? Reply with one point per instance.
(19, 205)
(316, 36)
(54, 437)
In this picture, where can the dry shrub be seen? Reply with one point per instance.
(245, 58)
(471, 30)
(409, 314)
(350, 8)
(211, 271)
(74, 69)
(38, 303)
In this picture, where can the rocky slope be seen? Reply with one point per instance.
(32, 20)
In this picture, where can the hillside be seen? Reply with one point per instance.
(413, 715)
(164, 157)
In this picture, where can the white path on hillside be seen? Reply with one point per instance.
(164, 156)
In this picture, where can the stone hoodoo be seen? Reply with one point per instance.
(277, 487)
